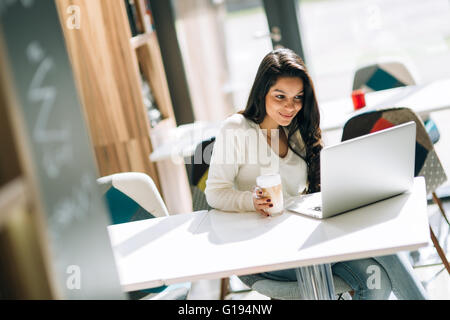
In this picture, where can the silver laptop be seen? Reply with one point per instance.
(362, 171)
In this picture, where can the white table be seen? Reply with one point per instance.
(215, 244)
(422, 99)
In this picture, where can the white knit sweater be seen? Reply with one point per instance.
(241, 153)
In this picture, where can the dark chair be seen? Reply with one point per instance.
(199, 173)
(427, 163)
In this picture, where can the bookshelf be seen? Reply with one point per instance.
(140, 40)
(123, 88)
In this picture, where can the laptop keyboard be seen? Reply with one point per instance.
(308, 203)
(312, 201)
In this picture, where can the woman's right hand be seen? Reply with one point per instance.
(261, 203)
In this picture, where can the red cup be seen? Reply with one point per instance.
(358, 99)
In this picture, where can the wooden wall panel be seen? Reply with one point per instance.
(105, 69)
(93, 67)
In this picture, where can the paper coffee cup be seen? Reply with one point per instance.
(270, 185)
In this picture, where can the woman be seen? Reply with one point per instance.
(279, 132)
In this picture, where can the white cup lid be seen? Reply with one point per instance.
(268, 180)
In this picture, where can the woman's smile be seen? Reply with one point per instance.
(286, 115)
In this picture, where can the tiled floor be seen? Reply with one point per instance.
(435, 278)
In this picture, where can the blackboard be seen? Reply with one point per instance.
(76, 218)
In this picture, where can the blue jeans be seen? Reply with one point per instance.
(371, 278)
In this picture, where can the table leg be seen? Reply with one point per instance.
(316, 282)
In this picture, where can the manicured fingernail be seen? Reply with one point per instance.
(268, 200)
(271, 205)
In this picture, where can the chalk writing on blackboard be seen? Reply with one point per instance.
(55, 143)
(76, 206)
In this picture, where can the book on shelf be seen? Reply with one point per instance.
(153, 113)
(148, 17)
(133, 18)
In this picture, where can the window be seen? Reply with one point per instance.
(222, 44)
(340, 36)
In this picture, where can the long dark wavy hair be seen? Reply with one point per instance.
(281, 63)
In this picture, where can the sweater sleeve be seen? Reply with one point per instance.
(224, 167)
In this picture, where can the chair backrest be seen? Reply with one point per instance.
(199, 174)
(427, 163)
(381, 76)
(132, 196)
(387, 75)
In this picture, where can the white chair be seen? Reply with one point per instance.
(133, 196)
